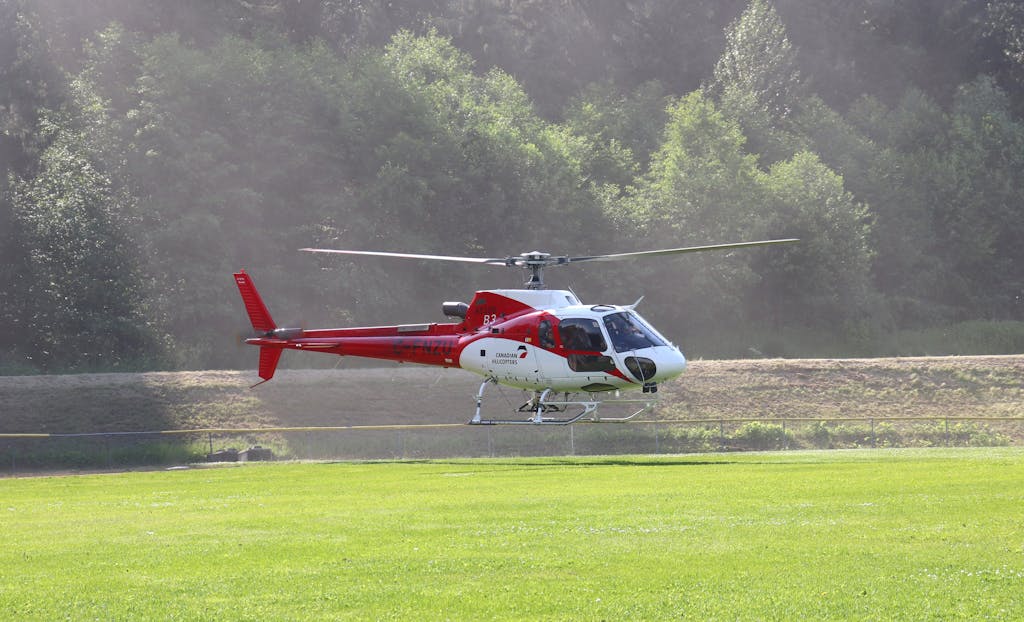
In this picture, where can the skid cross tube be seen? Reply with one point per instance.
(539, 405)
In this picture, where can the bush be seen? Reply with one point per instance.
(819, 436)
(758, 435)
(691, 439)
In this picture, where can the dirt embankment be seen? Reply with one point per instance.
(944, 386)
(975, 386)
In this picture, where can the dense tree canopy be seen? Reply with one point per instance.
(150, 148)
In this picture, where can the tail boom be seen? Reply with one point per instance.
(427, 344)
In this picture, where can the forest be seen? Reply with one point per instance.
(149, 149)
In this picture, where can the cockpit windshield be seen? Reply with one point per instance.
(628, 332)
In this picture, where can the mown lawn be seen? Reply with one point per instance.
(902, 534)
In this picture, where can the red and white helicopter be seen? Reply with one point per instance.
(539, 340)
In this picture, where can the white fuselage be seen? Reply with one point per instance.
(572, 347)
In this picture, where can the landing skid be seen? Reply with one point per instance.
(546, 409)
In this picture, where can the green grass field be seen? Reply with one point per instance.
(889, 534)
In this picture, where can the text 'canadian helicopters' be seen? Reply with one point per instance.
(539, 340)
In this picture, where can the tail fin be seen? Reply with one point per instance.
(261, 322)
(258, 314)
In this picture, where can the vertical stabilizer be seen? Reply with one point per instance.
(258, 314)
(261, 322)
(269, 357)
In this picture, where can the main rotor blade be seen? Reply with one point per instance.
(678, 251)
(492, 261)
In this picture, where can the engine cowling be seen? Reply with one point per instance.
(285, 333)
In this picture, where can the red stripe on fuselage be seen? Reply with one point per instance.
(434, 344)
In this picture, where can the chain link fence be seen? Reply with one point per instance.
(113, 450)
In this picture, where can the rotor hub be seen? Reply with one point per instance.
(535, 261)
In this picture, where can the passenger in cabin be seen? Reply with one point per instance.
(546, 335)
(627, 334)
(574, 338)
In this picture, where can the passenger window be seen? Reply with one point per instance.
(585, 341)
(581, 334)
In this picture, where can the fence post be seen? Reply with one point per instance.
(872, 432)
(657, 449)
(572, 440)
(947, 431)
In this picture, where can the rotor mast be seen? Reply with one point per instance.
(535, 261)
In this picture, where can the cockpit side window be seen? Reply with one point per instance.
(629, 333)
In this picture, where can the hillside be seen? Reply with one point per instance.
(934, 387)
(151, 148)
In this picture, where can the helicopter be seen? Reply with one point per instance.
(573, 357)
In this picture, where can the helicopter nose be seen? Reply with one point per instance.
(673, 363)
(655, 364)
